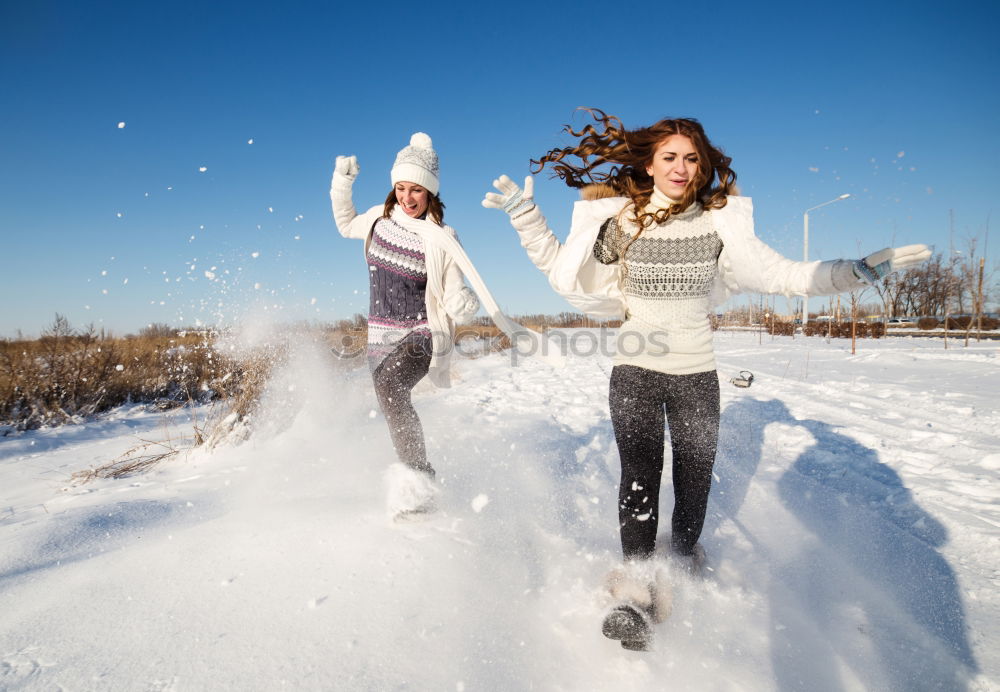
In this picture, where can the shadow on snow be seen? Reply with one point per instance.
(869, 592)
(83, 534)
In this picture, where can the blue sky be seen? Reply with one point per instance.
(894, 103)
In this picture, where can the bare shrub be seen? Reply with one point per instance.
(239, 397)
(817, 329)
(928, 323)
(860, 329)
(158, 330)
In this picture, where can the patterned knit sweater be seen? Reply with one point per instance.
(398, 285)
(668, 273)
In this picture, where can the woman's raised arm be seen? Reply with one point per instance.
(527, 219)
(345, 171)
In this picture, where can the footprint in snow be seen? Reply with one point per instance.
(316, 602)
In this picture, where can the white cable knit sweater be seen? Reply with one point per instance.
(669, 271)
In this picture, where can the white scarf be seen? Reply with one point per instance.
(526, 341)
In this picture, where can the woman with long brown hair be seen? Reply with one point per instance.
(417, 295)
(660, 238)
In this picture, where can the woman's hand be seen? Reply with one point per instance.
(511, 199)
(876, 265)
(346, 168)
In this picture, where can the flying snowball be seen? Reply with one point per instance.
(479, 502)
(202, 169)
(121, 125)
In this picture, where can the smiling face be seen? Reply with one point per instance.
(412, 198)
(674, 166)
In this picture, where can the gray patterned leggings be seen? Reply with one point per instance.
(641, 401)
(394, 378)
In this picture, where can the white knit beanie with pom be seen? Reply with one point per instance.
(417, 163)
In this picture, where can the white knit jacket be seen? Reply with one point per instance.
(746, 264)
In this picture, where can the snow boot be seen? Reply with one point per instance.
(630, 626)
(643, 597)
(410, 494)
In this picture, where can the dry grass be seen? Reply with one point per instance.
(68, 375)
(140, 458)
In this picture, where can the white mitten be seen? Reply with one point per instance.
(876, 265)
(462, 305)
(345, 170)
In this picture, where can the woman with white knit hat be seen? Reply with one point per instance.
(417, 295)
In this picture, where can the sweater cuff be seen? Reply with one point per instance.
(528, 223)
(842, 276)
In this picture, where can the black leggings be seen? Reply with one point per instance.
(394, 378)
(638, 398)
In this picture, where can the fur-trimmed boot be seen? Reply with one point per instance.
(642, 596)
(410, 493)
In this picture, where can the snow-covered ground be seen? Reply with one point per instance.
(853, 537)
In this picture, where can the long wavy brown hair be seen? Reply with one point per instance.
(627, 154)
(435, 207)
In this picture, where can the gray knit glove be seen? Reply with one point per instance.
(875, 266)
(512, 199)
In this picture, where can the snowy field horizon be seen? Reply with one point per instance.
(853, 535)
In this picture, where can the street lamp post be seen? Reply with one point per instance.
(805, 250)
